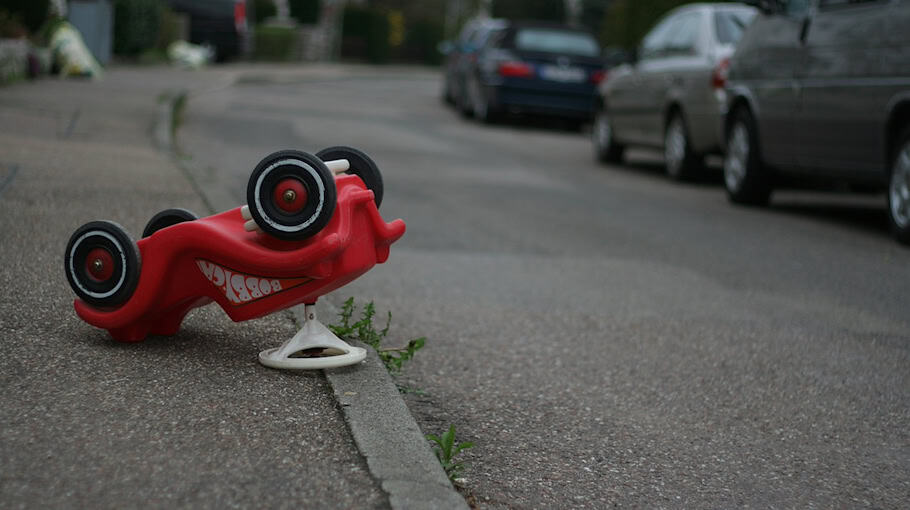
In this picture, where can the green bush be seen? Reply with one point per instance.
(30, 13)
(365, 34)
(421, 40)
(263, 10)
(305, 11)
(172, 27)
(136, 26)
(542, 10)
(275, 43)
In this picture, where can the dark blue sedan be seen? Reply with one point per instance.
(536, 68)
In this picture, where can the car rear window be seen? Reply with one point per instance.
(730, 25)
(550, 40)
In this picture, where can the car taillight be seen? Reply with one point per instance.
(240, 16)
(598, 76)
(721, 71)
(513, 69)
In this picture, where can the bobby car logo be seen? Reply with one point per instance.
(241, 288)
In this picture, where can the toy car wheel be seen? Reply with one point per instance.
(167, 218)
(361, 166)
(291, 195)
(102, 264)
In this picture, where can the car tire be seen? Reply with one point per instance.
(745, 177)
(480, 104)
(606, 148)
(167, 218)
(102, 264)
(899, 189)
(680, 161)
(463, 102)
(291, 195)
(361, 166)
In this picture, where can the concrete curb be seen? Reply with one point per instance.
(397, 454)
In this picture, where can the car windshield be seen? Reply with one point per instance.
(730, 24)
(550, 40)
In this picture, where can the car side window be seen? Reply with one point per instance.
(655, 42)
(682, 37)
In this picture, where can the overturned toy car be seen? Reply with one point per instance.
(310, 226)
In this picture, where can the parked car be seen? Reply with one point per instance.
(537, 68)
(460, 54)
(821, 88)
(672, 97)
(221, 24)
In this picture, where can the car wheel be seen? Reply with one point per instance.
(681, 163)
(745, 177)
(480, 104)
(606, 149)
(167, 218)
(899, 190)
(102, 264)
(361, 166)
(291, 195)
(463, 102)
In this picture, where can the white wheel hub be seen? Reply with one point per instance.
(899, 190)
(737, 157)
(603, 133)
(675, 146)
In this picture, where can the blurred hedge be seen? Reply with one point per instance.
(275, 43)
(305, 11)
(30, 13)
(136, 25)
(365, 34)
(380, 36)
(421, 39)
(263, 10)
(541, 10)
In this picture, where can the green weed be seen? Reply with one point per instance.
(365, 331)
(446, 449)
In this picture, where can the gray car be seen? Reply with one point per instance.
(821, 89)
(673, 97)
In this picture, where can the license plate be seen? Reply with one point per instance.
(562, 74)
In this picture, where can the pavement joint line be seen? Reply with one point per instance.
(14, 170)
(71, 126)
(386, 435)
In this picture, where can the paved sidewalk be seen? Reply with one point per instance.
(189, 421)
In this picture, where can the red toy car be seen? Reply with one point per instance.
(305, 232)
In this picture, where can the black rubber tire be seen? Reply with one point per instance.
(901, 232)
(690, 167)
(484, 112)
(167, 218)
(361, 166)
(309, 171)
(127, 264)
(755, 187)
(606, 149)
(463, 102)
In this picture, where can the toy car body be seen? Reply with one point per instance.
(185, 263)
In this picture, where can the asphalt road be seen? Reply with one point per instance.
(603, 336)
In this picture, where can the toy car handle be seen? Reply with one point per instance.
(336, 166)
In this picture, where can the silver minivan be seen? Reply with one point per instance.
(673, 96)
(821, 89)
